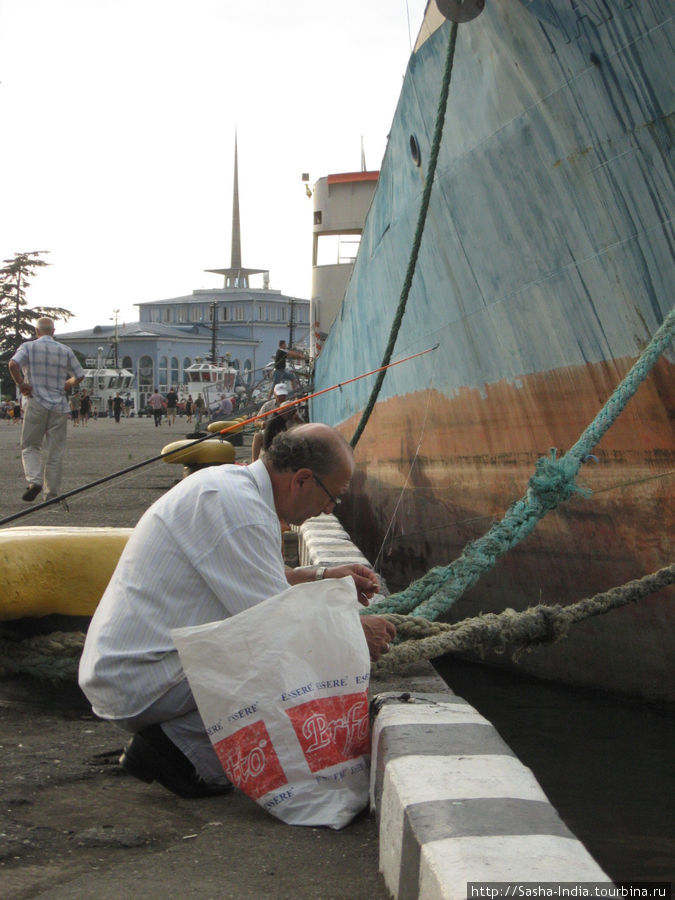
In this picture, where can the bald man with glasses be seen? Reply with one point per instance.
(208, 549)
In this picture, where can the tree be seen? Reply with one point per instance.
(17, 320)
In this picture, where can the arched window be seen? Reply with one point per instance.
(247, 374)
(163, 373)
(126, 362)
(173, 381)
(146, 372)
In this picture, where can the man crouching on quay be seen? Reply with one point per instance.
(208, 549)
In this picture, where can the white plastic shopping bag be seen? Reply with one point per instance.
(282, 689)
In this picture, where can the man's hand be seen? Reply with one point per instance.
(379, 634)
(366, 581)
(26, 389)
(71, 383)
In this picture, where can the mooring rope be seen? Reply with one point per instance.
(553, 482)
(417, 240)
(52, 657)
(418, 638)
(55, 657)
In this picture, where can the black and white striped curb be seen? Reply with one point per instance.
(456, 806)
(453, 802)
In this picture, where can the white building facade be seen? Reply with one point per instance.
(171, 334)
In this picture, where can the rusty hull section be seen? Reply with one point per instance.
(434, 472)
(545, 266)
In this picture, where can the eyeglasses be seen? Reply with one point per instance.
(336, 501)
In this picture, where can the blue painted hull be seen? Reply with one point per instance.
(545, 267)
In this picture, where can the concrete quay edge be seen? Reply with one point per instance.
(454, 805)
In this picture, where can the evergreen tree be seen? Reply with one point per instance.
(17, 320)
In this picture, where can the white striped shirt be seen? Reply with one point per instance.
(46, 365)
(206, 550)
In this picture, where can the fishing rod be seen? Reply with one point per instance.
(223, 431)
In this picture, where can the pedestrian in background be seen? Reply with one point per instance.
(85, 407)
(171, 403)
(45, 372)
(224, 408)
(200, 408)
(117, 407)
(280, 392)
(281, 373)
(74, 409)
(156, 401)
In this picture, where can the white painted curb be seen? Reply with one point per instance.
(453, 802)
(455, 805)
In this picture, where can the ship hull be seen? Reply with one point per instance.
(545, 267)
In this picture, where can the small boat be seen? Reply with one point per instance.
(544, 268)
(104, 378)
(104, 384)
(210, 380)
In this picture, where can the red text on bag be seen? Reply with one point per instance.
(250, 761)
(332, 730)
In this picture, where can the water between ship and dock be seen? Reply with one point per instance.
(604, 761)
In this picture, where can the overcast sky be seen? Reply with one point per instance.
(118, 121)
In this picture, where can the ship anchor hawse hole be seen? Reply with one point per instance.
(460, 10)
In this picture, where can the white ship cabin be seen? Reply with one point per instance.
(210, 380)
(103, 380)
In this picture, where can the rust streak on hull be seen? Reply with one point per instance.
(477, 453)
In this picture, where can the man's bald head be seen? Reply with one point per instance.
(316, 446)
(310, 468)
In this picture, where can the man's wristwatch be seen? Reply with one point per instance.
(320, 573)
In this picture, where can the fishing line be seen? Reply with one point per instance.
(234, 426)
(407, 12)
(622, 484)
(454, 523)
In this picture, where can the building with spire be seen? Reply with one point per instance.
(238, 322)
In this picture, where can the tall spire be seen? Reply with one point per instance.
(237, 276)
(235, 259)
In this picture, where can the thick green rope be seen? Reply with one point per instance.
(417, 241)
(553, 481)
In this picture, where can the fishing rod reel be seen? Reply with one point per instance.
(460, 10)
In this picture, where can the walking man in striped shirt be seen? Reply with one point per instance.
(45, 372)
